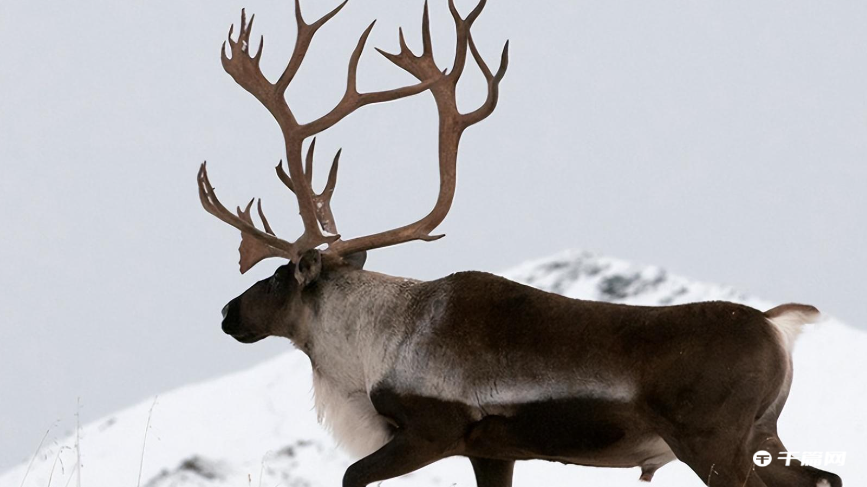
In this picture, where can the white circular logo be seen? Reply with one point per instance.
(762, 458)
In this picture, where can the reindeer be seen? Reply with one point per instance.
(408, 372)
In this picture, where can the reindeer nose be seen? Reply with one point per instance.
(225, 310)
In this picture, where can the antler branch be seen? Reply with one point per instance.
(255, 244)
(302, 43)
(353, 100)
(322, 201)
(451, 122)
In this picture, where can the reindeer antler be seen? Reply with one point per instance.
(315, 209)
(451, 122)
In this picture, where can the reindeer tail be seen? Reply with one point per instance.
(790, 319)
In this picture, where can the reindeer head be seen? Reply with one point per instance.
(275, 306)
(264, 309)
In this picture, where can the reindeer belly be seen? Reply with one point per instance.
(579, 431)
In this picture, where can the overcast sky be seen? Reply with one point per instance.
(724, 141)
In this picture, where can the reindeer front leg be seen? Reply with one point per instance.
(405, 453)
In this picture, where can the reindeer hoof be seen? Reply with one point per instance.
(647, 474)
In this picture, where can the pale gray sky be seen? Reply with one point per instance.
(725, 141)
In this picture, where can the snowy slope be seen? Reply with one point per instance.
(257, 427)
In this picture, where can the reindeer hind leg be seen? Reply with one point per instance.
(721, 458)
(493, 473)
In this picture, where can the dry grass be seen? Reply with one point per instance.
(145, 441)
(35, 454)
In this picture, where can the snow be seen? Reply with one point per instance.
(257, 427)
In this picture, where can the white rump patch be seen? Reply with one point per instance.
(823, 483)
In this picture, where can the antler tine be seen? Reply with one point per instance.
(308, 161)
(262, 216)
(354, 58)
(302, 43)
(493, 80)
(451, 126)
(427, 44)
(323, 199)
(462, 26)
(404, 48)
(284, 177)
(332, 174)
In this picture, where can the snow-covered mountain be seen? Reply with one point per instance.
(257, 427)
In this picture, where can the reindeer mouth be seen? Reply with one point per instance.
(248, 338)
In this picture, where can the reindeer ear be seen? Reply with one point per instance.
(308, 268)
(356, 259)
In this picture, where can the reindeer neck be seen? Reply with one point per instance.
(350, 309)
